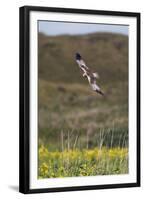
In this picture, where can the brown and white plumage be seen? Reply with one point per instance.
(91, 76)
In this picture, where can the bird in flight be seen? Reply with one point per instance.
(91, 76)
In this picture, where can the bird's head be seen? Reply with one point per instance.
(78, 56)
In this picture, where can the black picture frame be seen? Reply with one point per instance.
(24, 139)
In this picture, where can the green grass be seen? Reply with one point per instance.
(81, 111)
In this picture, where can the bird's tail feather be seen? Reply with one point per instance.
(95, 74)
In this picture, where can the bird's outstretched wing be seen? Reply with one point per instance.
(91, 76)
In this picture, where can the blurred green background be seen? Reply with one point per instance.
(69, 111)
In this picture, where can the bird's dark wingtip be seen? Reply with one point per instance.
(100, 92)
(78, 56)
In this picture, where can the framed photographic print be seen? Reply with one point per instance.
(79, 99)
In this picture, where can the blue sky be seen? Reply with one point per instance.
(60, 28)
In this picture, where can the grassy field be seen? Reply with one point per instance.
(80, 132)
